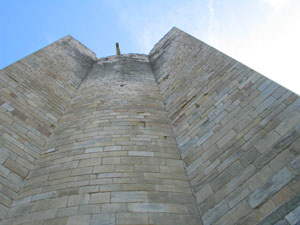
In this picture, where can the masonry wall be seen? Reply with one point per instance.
(238, 133)
(121, 140)
(34, 94)
(112, 159)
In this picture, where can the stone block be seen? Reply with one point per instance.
(111, 160)
(241, 177)
(259, 178)
(280, 213)
(231, 134)
(100, 198)
(228, 161)
(70, 211)
(104, 219)
(67, 191)
(212, 215)
(287, 124)
(89, 162)
(204, 193)
(147, 168)
(163, 218)
(294, 166)
(89, 209)
(293, 217)
(45, 195)
(4, 171)
(114, 207)
(180, 198)
(140, 153)
(221, 180)
(267, 207)
(129, 196)
(235, 214)
(16, 168)
(104, 169)
(19, 210)
(146, 207)
(59, 175)
(56, 221)
(54, 203)
(112, 148)
(132, 218)
(267, 141)
(81, 171)
(79, 220)
(281, 160)
(94, 150)
(248, 157)
(237, 196)
(288, 139)
(283, 196)
(274, 184)
(89, 189)
(22, 201)
(43, 215)
(153, 161)
(82, 199)
(203, 138)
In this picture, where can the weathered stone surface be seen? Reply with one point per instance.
(260, 178)
(100, 198)
(43, 215)
(78, 220)
(114, 207)
(235, 214)
(238, 195)
(242, 121)
(161, 218)
(35, 92)
(123, 139)
(274, 184)
(82, 199)
(293, 216)
(132, 218)
(112, 154)
(215, 213)
(56, 221)
(132, 196)
(70, 211)
(146, 207)
(280, 213)
(20, 210)
(104, 219)
(294, 166)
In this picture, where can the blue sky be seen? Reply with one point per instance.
(263, 34)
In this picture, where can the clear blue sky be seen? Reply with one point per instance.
(263, 34)
(27, 26)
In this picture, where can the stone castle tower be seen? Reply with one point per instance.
(183, 136)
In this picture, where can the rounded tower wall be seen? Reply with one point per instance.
(112, 159)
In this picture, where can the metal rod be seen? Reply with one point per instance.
(118, 48)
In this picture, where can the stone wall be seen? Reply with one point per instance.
(112, 159)
(34, 94)
(238, 133)
(125, 140)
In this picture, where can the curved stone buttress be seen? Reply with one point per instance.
(112, 159)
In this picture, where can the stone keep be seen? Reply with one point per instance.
(183, 136)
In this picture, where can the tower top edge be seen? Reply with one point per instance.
(133, 56)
